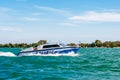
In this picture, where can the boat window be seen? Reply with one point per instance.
(62, 44)
(50, 46)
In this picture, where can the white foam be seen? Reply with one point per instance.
(7, 54)
(57, 54)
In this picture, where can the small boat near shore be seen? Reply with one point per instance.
(49, 49)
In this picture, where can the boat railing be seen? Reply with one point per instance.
(28, 49)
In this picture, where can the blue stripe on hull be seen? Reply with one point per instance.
(67, 51)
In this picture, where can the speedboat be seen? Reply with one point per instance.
(49, 49)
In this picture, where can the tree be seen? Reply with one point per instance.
(72, 44)
(106, 44)
(98, 43)
(84, 45)
(42, 42)
(93, 44)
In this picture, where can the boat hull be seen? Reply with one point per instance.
(64, 50)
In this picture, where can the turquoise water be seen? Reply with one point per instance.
(90, 64)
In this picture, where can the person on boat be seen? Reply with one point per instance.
(35, 48)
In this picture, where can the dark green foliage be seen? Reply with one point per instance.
(23, 45)
(84, 45)
(71, 44)
(42, 42)
(99, 43)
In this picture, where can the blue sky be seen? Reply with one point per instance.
(59, 20)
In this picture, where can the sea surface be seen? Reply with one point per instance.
(89, 64)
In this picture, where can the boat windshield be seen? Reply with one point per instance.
(28, 49)
(51, 46)
(62, 44)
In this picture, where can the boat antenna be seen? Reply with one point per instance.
(59, 42)
(79, 43)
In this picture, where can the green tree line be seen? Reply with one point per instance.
(96, 43)
(23, 45)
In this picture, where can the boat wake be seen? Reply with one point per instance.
(9, 54)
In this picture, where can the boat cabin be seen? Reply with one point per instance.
(49, 46)
(45, 46)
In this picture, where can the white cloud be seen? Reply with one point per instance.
(67, 24)
(37, 14)
(95, 16)
(60, 11)
(5, 9)
(31, 19)
(10, 29)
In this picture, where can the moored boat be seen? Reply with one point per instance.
(47, 49)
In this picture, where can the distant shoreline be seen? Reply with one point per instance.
(95, 44)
